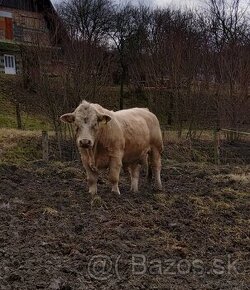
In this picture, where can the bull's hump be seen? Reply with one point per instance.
(131, 110)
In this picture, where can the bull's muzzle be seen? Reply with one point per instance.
(85, 143)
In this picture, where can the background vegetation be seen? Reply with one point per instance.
(191, 68)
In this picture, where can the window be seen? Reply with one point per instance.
(10, 64)
(8, 28)
(6, 25)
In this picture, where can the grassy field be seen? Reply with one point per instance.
(8, 109)
(18, 146)
(29, 121)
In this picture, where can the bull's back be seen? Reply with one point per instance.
(141, 131)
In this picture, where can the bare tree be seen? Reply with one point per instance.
(125, 32)
(191, 68)
(229, 31)
(86, 20)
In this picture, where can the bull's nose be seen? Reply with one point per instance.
(85, 143)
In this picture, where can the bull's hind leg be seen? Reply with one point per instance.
(134, 171)
(114, 173)
(155, 164)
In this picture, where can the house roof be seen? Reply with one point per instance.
(28, 5)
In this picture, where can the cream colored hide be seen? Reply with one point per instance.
(108, 139)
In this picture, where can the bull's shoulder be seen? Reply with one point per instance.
(133, 117)
(129, 115)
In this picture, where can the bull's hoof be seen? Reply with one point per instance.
(115, 189)
(135, 191)
(116, 192)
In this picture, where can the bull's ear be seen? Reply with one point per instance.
(68, 118)
(103, 119)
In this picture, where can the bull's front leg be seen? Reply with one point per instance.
(92, 175)
(92, 181)
(114, 173)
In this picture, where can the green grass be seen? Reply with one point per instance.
(17, 146)
(10, 89)
(7, 121)
(29, 121)
(23, 151)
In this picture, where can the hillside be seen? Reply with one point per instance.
(10, 93)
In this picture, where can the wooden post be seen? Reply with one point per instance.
(45, 146)
(163, 135)
(191, 152)
(18, 116)
(217, 146)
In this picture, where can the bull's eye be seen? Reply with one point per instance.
(94, 126)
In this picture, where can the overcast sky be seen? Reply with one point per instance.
(162, 3)
(171, 3)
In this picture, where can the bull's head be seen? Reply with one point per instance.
(87, 122)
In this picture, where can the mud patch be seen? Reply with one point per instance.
(186, 237)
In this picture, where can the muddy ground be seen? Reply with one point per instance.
(193, 235)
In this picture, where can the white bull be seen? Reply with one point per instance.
(108, 139)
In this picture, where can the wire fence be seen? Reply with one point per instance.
(218, 146)
(210, 146)
(226, 145)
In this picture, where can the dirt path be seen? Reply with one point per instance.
(194, 235)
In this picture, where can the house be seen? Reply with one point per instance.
(25, 24)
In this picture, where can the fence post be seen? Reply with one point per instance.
(217, 146)
(18, 116)
(45, 146)
(163, 135)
